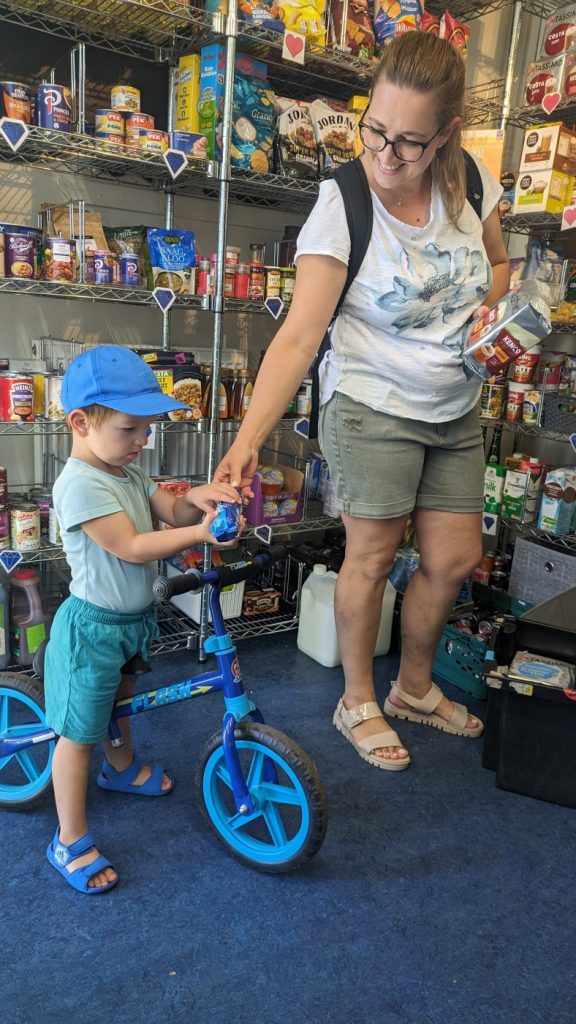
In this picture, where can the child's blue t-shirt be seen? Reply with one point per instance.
(82, 493)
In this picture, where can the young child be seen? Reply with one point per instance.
(105, 504)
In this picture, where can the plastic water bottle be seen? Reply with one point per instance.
(28, 620)
(317, 624)
(4, 626)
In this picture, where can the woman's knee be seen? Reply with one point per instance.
(452, 567)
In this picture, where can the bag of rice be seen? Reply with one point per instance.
(173, 259)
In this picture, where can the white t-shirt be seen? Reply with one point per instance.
(397, 343)
(82, 493)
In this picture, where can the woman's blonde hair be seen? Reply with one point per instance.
(426, 64)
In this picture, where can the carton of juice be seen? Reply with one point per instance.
(518, 321)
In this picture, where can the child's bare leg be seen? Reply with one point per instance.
(70, 767)
(121, 757)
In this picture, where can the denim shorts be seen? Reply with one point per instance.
(385, 466)
(87, 648)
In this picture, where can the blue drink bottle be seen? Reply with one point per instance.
(227, 523)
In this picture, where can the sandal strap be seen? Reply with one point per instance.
(126, 776)
(386, 738)
(360, 713)
(459, 718)
(64, 854)
(426, 704)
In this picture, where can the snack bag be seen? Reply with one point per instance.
(350, 28)
(391, 17)
(172, 258)
(515, 324)
(296, 149)
(335, 132)
(306, 17)
(263, 13)
(456, 32)
(253, 123)
(430, 23)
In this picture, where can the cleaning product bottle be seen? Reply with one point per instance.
(28, 620)
(4, 626)
(317, 625)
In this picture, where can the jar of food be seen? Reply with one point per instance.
(257, 253)
(203, 278)
(287, 283)
(244, 392)
(304, 398)
(257, 283)
(229, 279)
(242, 281)
(273, 282)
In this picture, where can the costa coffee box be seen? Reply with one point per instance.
(549, 147)
(545, 80)
(559, 32)
(543, 192)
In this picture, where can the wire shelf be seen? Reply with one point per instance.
(521, 117)
(100, 293)
(525, 224)
(525, 428)
(566, 542)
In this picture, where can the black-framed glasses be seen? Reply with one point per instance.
(406, 150)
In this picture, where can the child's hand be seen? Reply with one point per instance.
(207, 495)
(205, 537)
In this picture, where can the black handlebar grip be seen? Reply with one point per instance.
(164, 587)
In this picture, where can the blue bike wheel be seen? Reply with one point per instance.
(290, 815)
(24, 775)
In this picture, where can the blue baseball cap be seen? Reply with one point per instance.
(117, 378)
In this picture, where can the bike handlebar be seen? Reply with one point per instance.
(221, 576)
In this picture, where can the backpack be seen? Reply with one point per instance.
(353, 184)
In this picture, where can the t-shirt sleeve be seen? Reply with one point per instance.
(82, 497)
(325, 233)
(492, 188)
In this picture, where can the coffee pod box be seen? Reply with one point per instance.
(549, 147)
(558, 500)
(543, 192)
(513, 325)
(549, 76)
(559, 32)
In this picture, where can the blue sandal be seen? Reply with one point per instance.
(59, 855)
(121, 782)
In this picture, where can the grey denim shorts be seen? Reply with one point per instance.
(384, 466)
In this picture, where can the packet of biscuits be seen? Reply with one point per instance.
(520, 320)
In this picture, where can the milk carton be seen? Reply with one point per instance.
(522, 488)
(558, 500)
(493, 487)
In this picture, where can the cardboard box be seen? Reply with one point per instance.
(265, 601)
(522, 490)
(188, 93)
(543, 192)
(285, 507)
(547, 77)
(549, 147)
(558, 500)
(494, 484)
(211, 102)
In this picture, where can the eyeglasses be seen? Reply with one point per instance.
(406, 150)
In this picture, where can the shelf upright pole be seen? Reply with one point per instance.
(230, 31)
(512, 55)
(168, 224)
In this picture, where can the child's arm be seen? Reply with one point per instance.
(189, 508)
(117, 534)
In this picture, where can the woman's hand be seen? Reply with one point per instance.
(237, 468)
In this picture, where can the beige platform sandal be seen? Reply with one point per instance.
(346, 718)
(422, 711)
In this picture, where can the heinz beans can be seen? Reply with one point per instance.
(16, 398)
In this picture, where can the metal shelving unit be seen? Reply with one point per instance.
(525, 428)
(567, 542)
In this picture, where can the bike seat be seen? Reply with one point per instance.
(137, 666)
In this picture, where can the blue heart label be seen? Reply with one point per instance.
(9, 560)
(13, 132)
(176, 161)
(274, 306)
(164, 297)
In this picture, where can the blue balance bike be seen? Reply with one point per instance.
(261, 794)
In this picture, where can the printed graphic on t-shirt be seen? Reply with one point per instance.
(435, 289)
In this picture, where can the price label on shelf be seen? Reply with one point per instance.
(176, 161)
(13, 132)
(164, 297)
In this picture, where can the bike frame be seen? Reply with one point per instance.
(226, 678)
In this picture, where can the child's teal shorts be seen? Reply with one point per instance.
(87, 648)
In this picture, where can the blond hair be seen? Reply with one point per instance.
(97, 414)
(426, 64)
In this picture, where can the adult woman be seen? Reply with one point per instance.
(398, 422)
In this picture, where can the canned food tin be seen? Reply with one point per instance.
(304, 398)
(492, 399)
(287, 282)
(152, 141)
(20, 255)
(273, 282)
(42, 497)
(53, 389)
(54, 535)
(16, 398)
(135, 125)
(125, 97)
(111, 142)
(58, 257)
(109, 122)
(39, 385)
(103, 267)
(54, 107)
(4, 529)
(25, 526)
(129, 269)
(15, 101)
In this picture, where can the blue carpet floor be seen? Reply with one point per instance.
(436, 898)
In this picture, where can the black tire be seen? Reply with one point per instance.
(302, 819)
(26, 776)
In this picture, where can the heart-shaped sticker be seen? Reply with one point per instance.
(294, 44)
(551, 101)
(570, 215)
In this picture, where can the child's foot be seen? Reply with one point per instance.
(137, 778)
(81, 865)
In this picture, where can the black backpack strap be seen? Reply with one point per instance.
(353, 184)
(474, 186)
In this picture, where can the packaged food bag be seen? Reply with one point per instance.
(295, 144)
(335, 132)
(307, 17)
(514, 325)
(253, 124)
(391, 17)
(263, 13)
(350, 28)
(172, 259)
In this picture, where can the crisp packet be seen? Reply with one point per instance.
(515, 324)
(391, 17)
(456, 32)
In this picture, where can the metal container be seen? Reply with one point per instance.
(53, 387)
(16, 398)
(25, 526)
(54, 107)
(16, 101)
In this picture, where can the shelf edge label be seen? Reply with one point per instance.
(568, 218)
(294, 47)
(263, 533)
(164, 297)
(274, 307)
(573, 441)
(176, 161)
(13, 132)
(302, 427)
(9, 560)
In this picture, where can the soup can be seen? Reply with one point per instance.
(16, 398)
(25, 526)
(20, 255)
(4, 529)
(58, 258)
(54, 107)
(39, 385)
(16, 101)
(492, 399)
(3, 487)
(129, 270)
(53, 390)
(125, 97)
